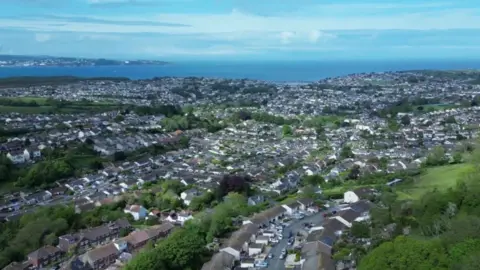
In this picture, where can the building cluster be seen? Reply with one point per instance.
(95, 248)
(277, 163)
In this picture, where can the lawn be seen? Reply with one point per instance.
(439, 107)
(73, 108)
(442, 178)
(26, 110)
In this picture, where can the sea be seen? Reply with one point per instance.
(273, 71)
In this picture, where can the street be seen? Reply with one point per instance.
(276, 263)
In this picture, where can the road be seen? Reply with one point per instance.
(276, 263)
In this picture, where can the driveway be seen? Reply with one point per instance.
(275, 263)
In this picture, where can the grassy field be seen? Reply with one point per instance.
(25, 110)
(439, 107)
(44, 107)
(442, 178)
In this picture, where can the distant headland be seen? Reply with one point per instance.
(51, 61)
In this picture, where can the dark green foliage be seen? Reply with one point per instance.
(167, 110)
(233, 183)
(55, 80)
(406, 253)
(34, 230)
(45, 173)
(448, 223)
(346, 152)
(360, 230)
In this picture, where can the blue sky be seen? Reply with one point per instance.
(242, 29)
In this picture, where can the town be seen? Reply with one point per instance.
(203, 173)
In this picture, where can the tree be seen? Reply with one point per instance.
(119, 156)
(201, 202)
(233, 183)
(346, 152)
(287, 130)
(119, 118)
(405, 120)
(6, 169)
(354, 172)
(436, 157)
(406, 253)
(147, 259)
(314, 180)
(183, 249)
(457, 158)
(450, 119)
(360, 230)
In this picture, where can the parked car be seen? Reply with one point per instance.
(270, 255)
(261, 264)
(282, 257)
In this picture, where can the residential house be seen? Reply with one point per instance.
(254, 249)
(292, 207)
(93, 236)
(137, 211)
(256, 200)
(179, 218)
(358, 194)
(247, 263)
(44, 256)
(318, 262)
(347, 216)
(36, 197)
(305, 203)
(265, 217)
(188, 195)
(17, 156)
(239, 240)
(25, 265)
(220, 261)
(104, 256)
(262, 239)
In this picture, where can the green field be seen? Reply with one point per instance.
(442, 178)
(438, 107)
(45, 107)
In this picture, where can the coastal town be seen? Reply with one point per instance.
(282, 176)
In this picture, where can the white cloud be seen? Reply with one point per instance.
(98, 37)
(286, 37)
(211, 50)
(42, 37)
(315, 35)
(237, 24)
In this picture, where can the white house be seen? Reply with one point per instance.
(350, 197)
(240, 239)
(179, 218)
(254, 249)
(347, 217)
(137, 211)
(292, 207)
(17, 157)
(248, 263)
(262, 239)
(183, 217)
(305, 203)
(357, 194)
(268, 233)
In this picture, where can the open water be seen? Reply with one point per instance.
(287, 71)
